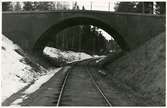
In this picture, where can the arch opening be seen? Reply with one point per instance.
(70, 22)
(81, 38)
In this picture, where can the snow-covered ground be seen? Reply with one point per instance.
(38, 83)
(67, 56)
(41, 81)
(34, 87)
(17, 73)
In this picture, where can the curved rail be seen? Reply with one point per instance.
(62, 88)
(101, 92)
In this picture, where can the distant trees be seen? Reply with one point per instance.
(144, 7)
(92, 40)
(17, 7)
(160, 8)
(43, 6)
(135, 7)
(34, 6)
(82, 38)
(28, 6)
(39, 6)
(125, 7)
(112, 46)
(75, 6)
(6, 6)
(141, 7)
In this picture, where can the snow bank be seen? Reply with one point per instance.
(41, 81)
(16, 73)
(34, 87)
(68, 56)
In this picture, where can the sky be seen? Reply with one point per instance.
(103, 5)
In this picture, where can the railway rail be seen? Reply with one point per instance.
(90, 79)
(99, 89)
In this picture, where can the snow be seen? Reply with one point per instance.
(101, 58)
(68, 56)
(20, 100)
(41, 81)
(38, 83)
(34, 87)
(95, 56)
(107, 36)
(15, 74)
(10, 68)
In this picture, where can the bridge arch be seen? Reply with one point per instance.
(74, 21)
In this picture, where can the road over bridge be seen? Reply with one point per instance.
(33, 30)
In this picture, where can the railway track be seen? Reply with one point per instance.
(62, 88)
(80, 89)
(99, 89)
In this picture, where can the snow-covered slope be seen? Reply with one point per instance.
(20, 71)
(16, 72)
(67, 56)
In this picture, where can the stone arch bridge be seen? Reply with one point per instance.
(32, 30)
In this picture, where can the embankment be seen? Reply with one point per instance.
(143, 71)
